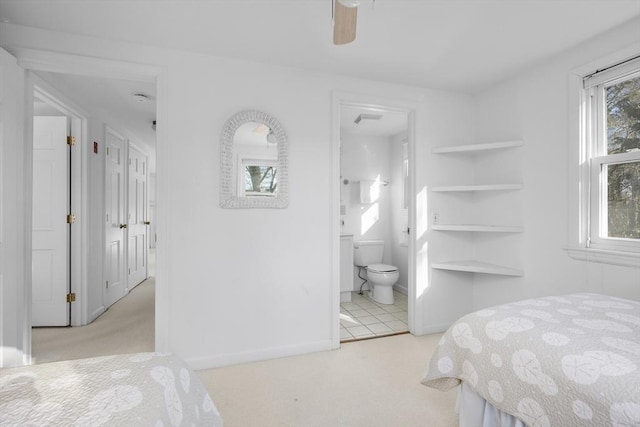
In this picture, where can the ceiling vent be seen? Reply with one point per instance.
(367, 117)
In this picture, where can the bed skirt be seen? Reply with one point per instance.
(474, 411)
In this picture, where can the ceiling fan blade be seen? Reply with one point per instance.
(344, 23)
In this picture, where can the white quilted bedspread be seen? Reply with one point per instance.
(570, 360)
(142, 389)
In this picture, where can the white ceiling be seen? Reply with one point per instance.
(111, 98)
(460, 45)
(252, 134)
(391, 123)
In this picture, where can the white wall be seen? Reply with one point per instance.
(225, 301)
(14, 346)
(366, 158)
(398, 242)
(444, 295)
(535, 108)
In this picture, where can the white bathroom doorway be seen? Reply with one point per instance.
(374, 178)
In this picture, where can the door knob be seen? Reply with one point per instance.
(123, 225)
(147, 223)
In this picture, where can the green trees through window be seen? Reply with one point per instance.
(260, 180)
(623, 179)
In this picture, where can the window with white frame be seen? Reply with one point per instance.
(611, 142)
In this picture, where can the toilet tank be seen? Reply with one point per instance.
(367, 252)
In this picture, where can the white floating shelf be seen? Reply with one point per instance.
(476, 227)
(476, 147)
(491, 187)
(477, 267)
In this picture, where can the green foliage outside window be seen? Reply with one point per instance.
(623, 179)
(260, 180)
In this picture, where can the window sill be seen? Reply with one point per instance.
(625, 259)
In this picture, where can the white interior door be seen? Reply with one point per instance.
(115, 219)
(50, 232)
(137, 229)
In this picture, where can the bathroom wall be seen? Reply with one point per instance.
(399, 215)
(367, 158)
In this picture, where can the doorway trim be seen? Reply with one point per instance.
(43, 60)
(410, 107)
(40, 89)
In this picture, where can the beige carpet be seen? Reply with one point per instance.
(126, 327)
(364, 384)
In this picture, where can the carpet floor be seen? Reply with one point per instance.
(366, 383)
(363, 384)
(126, 327)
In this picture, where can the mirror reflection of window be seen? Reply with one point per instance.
(260, 178)
(255, 149)
(253, 162)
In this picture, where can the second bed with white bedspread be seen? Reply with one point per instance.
(553, 361)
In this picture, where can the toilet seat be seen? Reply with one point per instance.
(382, 268)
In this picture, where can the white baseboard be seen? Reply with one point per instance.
(345, 296)
(198, 363)
(435, 329)
(401, 288)
(96, 313)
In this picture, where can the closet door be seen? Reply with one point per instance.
(115, 218)
(137, 217)
(51, 227)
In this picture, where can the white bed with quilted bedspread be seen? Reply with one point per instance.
(141, 389)
(571, 360)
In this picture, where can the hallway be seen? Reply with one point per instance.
(126, 327)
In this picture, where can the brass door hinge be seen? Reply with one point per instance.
(71, 219)
(71, 140)
(71, 297)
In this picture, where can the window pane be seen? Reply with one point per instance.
(260, 180)
(623, 197)
(623, 116)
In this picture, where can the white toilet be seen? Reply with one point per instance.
(380, 277)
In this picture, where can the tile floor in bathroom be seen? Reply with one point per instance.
(364, 318)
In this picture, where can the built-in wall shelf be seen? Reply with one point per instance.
(488, 157)
(477, 267)
(478, 228)
(471, 148)
(491, 187)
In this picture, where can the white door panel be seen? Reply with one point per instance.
(115, 221)
(137, 229)
(50, 238)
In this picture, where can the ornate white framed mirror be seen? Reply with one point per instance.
(253, 162)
